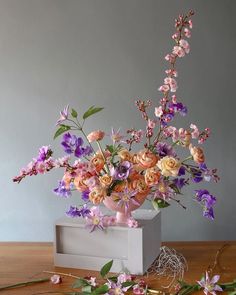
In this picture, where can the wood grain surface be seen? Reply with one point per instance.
(25, 261)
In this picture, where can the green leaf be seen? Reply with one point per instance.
(61, 130)
(159, 203)
(110, 148)
(87, 289)
(106, 268)
(101, 290)
(74, 114)
(113, 279)
(128, 284)
(80, 283)
(91, 111)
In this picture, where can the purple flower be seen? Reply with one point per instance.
(207, 201)
(94, 220)
(178, 107)
(62, 190)
(210, 285)
(165, 149)
(181, 171)
(179, 182)
(63, 115)
(85, 195)
(73, 144)
(126, 198)
(78, 212)
(122, 171)
(44, 153)
(196, 175)
(208, 174)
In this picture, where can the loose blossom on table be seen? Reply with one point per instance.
(120, 170)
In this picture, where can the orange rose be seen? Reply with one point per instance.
(138, 183)
(97, 195)
(98, 162)
(197, 154)
(67, 179)
(79, 183)
(152, 176)
(105, 180)
(95, 135)
(125, 155)
(146, 159)
(120, 187)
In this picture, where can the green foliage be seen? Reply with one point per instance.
(106, 268)
(61, 130)
(91, 111)
(101, 290)
(128, 284)
(74, 114)
(80, 283)
(159, 203)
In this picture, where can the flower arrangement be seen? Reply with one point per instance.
(118, 175)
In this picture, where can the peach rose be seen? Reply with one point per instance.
(138, 183)
(98, 162)
(197, 154)
(79, 183)
(97, 195)
(120, 187)
(125, 155)
(67, 178)
(146, 159)
(152, 176)
(169, 166)
(187, 139)
(105, 180)
(95, 135)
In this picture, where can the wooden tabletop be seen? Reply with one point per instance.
(25, 261)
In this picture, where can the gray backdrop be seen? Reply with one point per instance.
(109, 53)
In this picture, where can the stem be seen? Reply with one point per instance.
(23, 284)
(100, 149)
(62, 274)
(188, 158)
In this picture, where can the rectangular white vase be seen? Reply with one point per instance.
(132, 249)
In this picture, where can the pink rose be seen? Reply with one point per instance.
(95, 135)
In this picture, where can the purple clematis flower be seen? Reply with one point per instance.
(210, 285)
(78, 212)
(122, 171)
(72, 144)
(63, 115)
(95, 220)
(165, 149)
(62, 190)
(126, 198)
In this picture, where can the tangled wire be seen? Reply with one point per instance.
(169, 264)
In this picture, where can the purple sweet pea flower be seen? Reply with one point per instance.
(178, 107)
(72, 144)
(210, 285)
(62, 190)
(78, 212)
(196, 175)
(181, 171)
(85, 195)
(44, 153)
(165, 149)
(122, 171)
(180, 182)
(207, 201)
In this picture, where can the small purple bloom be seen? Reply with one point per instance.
(78, 212)
(210, 285)
(44, 153)
(95, 220)
(72, 144)
(62, 190)
(122, 171)
(165, 149)
(196, 175)
(85, 195)
(181, 171)
(208, 213)
(207, 201)
(179, 182)
(178, 107)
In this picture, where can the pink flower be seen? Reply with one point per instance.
(172, 83)
(210, 285)
(187, 32)
(41, 167)
(109, 220)
(179, 51)
(56, 279)
(132, 223)
(164, 88)
(185, 45)
(95, 135)
(175, 36)
(195, 133)
(159, 111)
(151, 124)
(174, 98)
(190, 23)
(170, 58)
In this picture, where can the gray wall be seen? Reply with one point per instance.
(108, 53)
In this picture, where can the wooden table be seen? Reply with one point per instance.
(25, 261)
